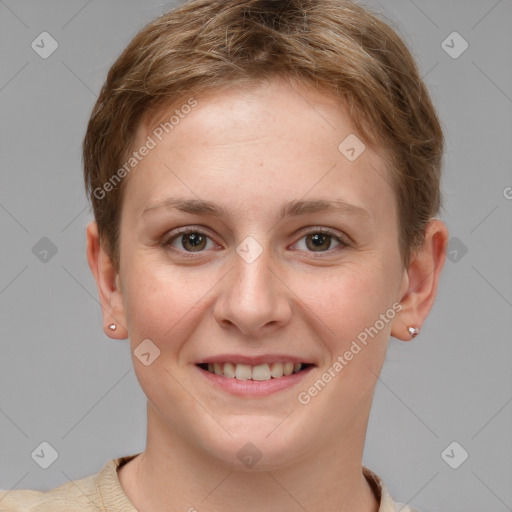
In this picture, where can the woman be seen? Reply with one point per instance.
(265, 184)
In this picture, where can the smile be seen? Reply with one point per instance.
(260, 372)
(253, 380)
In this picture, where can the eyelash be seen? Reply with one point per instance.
(186, 231)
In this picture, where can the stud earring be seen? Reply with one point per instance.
(413, 331)
(112, 327)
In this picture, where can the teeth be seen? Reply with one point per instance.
(243, 372)
(288, 368)
(260, 372)
(229, 370)
(276, 370)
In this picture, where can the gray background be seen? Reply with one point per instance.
(64, 382)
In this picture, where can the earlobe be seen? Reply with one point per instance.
(107, 282)
(421, 282)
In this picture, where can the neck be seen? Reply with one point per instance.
(175, 476)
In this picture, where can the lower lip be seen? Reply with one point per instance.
(253, 388)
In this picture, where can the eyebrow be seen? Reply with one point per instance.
(290, 209)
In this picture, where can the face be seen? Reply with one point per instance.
(236, 269)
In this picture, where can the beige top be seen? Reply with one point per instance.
(103, 492)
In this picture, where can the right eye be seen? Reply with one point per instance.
(188, 240)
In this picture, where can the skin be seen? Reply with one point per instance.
(252, 151)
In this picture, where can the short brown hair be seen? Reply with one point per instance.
(335, 45)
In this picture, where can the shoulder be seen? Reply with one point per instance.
(97, 492)
(383, 497)
(68, 497)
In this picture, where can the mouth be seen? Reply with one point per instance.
(253, 377)
(260, 372)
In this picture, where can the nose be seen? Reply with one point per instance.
(253, 299)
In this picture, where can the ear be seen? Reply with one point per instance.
(108, 283)
(419, 284)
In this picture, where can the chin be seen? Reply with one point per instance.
(258, 443)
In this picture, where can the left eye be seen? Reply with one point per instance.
(320, 241)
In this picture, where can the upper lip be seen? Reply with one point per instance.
(254, 360)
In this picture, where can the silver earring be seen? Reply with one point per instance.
(112, 327)
(413, 331)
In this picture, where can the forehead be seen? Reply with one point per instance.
(267, 145)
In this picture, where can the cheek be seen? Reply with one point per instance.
(349, 306)
(347, 300)
(161, 300)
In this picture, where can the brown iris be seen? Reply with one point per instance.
(197, 241)
(319, 241)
